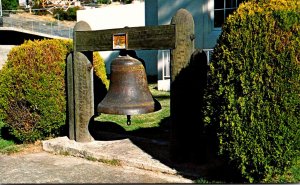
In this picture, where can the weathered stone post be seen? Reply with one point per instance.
(181, 108)
(80, 90)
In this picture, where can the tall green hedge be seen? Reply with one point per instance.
(253, 99)
(32, 88)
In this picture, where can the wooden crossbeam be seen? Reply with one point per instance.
(138, 38)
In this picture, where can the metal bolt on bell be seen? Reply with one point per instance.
(128, 92)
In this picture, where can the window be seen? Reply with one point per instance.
(222, 8)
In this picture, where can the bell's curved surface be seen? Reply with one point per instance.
(128, 92)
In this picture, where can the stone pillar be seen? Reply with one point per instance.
(80, 90)
(185, 99)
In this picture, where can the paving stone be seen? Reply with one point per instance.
(122, 150)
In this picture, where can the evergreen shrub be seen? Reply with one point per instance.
(253, 100)
(32, 89)
(39, 8)
(104, 1)
(69, 14)
(10, 4)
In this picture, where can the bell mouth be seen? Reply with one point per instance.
(127, 110)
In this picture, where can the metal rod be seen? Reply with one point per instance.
(128, 120)
(163, 68)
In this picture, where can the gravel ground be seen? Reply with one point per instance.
(46, 18)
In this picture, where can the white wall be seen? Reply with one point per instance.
(22, 2)
(118, 16)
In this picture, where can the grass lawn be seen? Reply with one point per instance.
(8, 147)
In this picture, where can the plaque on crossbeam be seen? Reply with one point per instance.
(120, 41)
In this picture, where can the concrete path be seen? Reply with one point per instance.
(121, 151)
(43, 167)
(61, 160)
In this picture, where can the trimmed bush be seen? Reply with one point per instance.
(59, 14)
(254, 95)
(32, 89)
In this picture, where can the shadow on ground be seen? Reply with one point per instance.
(155, 142)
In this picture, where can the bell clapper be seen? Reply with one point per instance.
(128, 120)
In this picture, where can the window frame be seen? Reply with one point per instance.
(224, 9)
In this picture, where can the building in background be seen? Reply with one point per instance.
(209, 16)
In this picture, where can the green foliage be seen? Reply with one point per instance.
(69, 14)
(39, 12)
(104, 1)
(2, 124)
(127, 1)
(291, 175)
(8, 147)
(253, 97)
(99, 68)
(32, 89)
(59, 14)
(10, 4)
(124, 1)
(40, 5)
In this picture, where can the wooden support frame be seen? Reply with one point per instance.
(139, 38)
(178, 37)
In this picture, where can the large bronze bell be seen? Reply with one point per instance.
(128, 93)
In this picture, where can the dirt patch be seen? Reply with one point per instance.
(33, 17)
(29, 148)
(46, 18)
